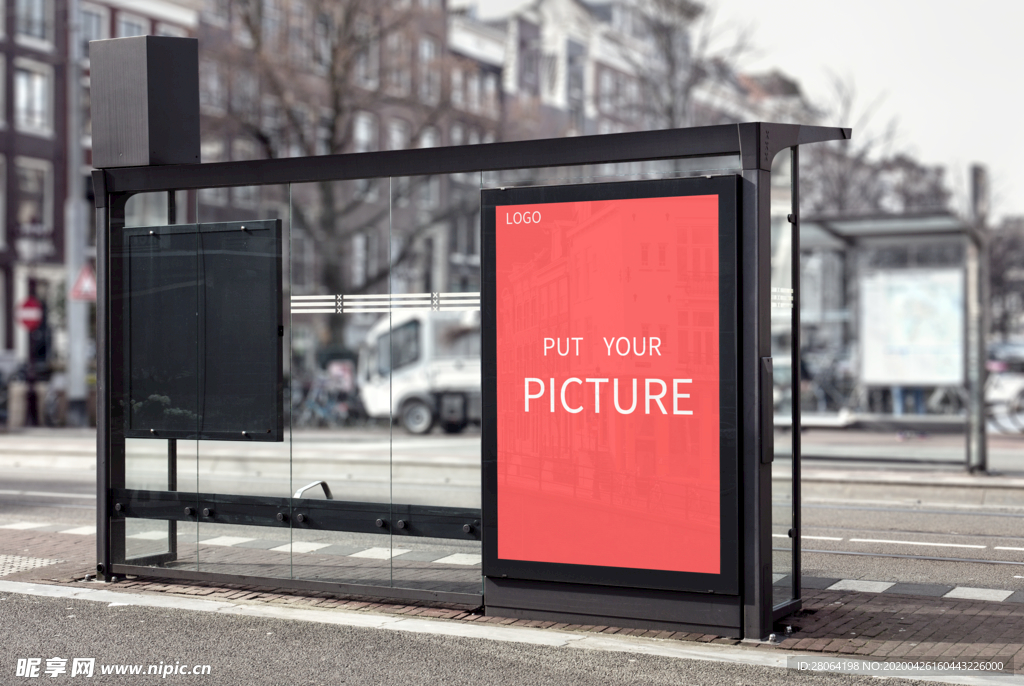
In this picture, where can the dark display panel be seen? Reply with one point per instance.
(203, 331)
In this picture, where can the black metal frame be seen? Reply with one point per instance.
(755, 145)
(726, 189)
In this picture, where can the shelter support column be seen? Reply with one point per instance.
(977, 431)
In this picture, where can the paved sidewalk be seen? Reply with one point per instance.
(853, 623)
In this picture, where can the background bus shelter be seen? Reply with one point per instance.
(893, 325)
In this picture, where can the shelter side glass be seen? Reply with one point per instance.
(429, 346)
(784, 319)
(339, 381)
(157, 385)
(244, 429)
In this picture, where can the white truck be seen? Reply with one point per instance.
(422, 368)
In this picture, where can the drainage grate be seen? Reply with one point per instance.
(12, 564)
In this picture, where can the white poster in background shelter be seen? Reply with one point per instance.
(912, 327)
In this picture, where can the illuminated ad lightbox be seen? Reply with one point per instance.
(610, 363)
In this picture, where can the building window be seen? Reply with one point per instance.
(491, 94)
(473, 92)
(34, 213)
(398, 134)
(94, 25)
(607, 90)
(33, 97)
(430, 76)
(458, 99)
(398, 64)
(458, 134)
(368, 57)
(243, 93)
(212, 89)
(130, 25)
(33, 19)
(429, 137)
(364, 132)
(430, 192)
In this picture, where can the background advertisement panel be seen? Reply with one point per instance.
(608, 380)
(913, 327)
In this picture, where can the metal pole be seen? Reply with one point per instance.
(172, 443)
(74, 228)
(103, 555)
(797, 423)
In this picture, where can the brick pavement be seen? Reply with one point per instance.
(854, 624)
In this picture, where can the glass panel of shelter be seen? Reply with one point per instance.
(340, 354)
(786, 396)
(241, 453)
(431, 350)
(154, 269)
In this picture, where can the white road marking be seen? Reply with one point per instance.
(861, 586)
(150, 535)
(23, 525)
(1003, 547)
(299, 547)
(460, 559)
(81, 531)
(967, 593)
(48, 494)
(380, 553)
(810, 538)
(226, 540)
(941, 545)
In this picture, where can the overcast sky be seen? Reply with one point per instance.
(949, 72)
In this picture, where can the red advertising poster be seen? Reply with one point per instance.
(607, 387)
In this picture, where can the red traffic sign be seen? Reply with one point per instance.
(30, 313)
(85, 285)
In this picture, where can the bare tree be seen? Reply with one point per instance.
(673, 47)
(867, 174)
(303, 71)
(314, 77)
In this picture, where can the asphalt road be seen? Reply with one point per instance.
(244, 650)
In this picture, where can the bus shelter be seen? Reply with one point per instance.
(894, 331)
(534, 377)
